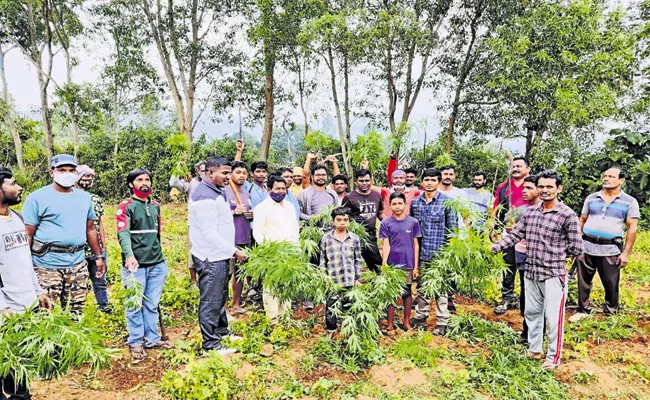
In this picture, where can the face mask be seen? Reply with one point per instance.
(65, 179)
(141, 194)
(399, 188)
(277, 197)
(85, 184)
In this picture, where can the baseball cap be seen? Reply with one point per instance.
(62, 159)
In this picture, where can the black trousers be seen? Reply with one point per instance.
(508, 285)
(331, 322)
(610, 276)
(213, 288)
(370, 254)
(18, 392)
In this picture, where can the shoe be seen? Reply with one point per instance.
(230, 318)
(578, 316)
(440, 330)
(162, 345)
(535, 356)
(107, 309)
(308, 305)
(138, 353)
(451, 307)
(234, 338)
(505, 306)
(549, 366)
(418, 323)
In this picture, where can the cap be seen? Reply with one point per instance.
(297, 171)
(83, 170)
(62, 159)
(398, 172)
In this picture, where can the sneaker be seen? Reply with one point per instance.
(549, 366)
(224, 351)
(578, 316)
(505, 306)
(440, 330)
(308, 305)
(234, 338)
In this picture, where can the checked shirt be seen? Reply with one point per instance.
(552, 236)
(341, 259)
(437, 221)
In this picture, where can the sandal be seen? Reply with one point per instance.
(138, 353)
(162, 344)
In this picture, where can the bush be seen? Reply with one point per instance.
(204, 379)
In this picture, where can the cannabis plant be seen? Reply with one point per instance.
(48, 344)
(134, 292)
(466, 260)
(284, 270)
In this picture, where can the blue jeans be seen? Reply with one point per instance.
(99, 284)
(143, 323)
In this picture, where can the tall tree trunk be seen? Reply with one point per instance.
(45, 113)
(301, 90)
(8, 114)
(337, 106)
(346, 110)
(269, 106)
(71, 108)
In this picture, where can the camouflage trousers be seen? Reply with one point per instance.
(69, 286)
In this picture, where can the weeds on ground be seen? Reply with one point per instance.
(599, 330)
(180, 296)
(212, 378)
(417, 349)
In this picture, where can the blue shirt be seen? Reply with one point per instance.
(60, 219)
(607, 221)
(437, 221)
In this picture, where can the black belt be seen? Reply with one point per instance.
(597, 240)
(40, 248)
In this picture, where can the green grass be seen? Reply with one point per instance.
(600, 330)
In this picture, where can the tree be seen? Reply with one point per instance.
(6, 110)
(194, 39)
(559, 68)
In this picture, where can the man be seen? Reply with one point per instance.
(531, 195)
(188, 188)
(85, 180)
(296, 184)
(260, 171)
(19, 287)
(365, 207)
(287, 175)
(306, 178)
(508, 198)
(340, 186)
(481, 198)
(59, 220)
(411, 177)
(397, 183)
(242, 212)
(318, 196)
(437, 221)
(212, 234)
(552, 235)
(139, 221)
(274, 221)
(609, 224)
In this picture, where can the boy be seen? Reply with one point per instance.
(341, 258)
(400, 248)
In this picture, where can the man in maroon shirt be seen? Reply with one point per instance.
(507, 199)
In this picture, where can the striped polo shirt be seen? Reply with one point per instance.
(607, 221)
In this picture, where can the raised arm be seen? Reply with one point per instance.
(240, 149)
(392, 167)
(306, 170)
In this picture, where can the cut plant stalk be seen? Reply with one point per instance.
(134, 293)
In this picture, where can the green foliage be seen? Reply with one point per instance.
(374, 148)
(49, 344)
(212, 378)
(599, 330)
(473, 329)
(180, 296)
(134, 293)
(466, 260)
(284, 270)
(418, 350)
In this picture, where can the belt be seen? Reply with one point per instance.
(65, 249)
(598, 240)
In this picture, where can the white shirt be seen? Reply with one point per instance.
(212, 230)
(275, 222)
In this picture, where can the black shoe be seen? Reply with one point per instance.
(107, 309)
(420, 324)
(508, 304)
(440, 330)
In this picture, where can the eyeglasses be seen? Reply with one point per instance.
(321, 175)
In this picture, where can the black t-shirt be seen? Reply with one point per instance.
(365, 209)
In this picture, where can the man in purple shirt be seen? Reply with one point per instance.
(239, 200)
(400, 248)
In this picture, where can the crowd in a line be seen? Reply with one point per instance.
(51, 251)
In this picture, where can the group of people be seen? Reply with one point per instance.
(56, 246)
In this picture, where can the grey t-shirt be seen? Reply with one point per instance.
(19, 287)
(320, 201)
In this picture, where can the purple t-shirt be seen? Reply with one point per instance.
(320, 201)
(242, 225)
(400, 234)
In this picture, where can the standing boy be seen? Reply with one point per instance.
(552, 234)
(138, 231)
(400, 248)
(341, 258)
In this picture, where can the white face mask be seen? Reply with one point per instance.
(399, 188)
(65, 179)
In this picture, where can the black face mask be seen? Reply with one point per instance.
(84, 184)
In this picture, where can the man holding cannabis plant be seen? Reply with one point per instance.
(138, 231)
(212, 234)
(19, 287)
(552, 235)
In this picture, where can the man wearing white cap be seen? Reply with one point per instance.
(85, 180)
(59, 220)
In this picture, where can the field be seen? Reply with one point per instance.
(605, 358)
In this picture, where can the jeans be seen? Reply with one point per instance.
(331, 322)
(143, 323)
(213, 287)
(18, 392)
(99, 284)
